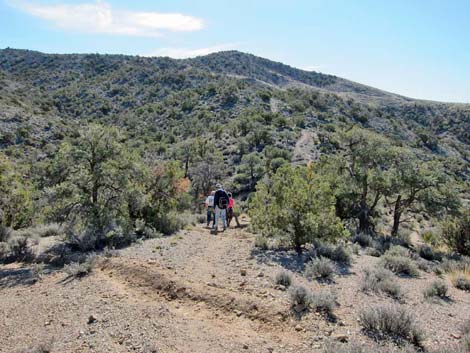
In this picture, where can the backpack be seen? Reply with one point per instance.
(223, 202)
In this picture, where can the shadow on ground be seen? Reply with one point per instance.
(17, 277)
(288, 259)
(292, 261)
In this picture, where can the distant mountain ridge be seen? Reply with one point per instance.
(44, 97)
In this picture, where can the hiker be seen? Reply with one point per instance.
(231, 203)
(210, 209)
(230, 213)
(220, 204)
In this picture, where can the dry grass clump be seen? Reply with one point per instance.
(461, 278)
(391, 322)
(381, 280)
(284, 279)
(320, 268)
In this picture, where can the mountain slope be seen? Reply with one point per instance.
(231, 98)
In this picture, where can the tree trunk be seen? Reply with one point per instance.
(396, 216)
(365, 225)
(186, 167)
(94, 193)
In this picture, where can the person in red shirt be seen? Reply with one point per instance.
(231, 204)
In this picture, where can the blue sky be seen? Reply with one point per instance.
(418, 48)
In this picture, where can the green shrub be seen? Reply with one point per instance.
(396, 260)
(373, 252)
(4, 252)
(201, 218)
(5, 233)
(456, 233)
(81, 269)
(436, 289)
(323, 302)
(363, 239)
(355, 248)
(391, 322)
(397, 250)
(431, 238)
(381, 280)
(261, 242)
(342, 255)
(423, 265)
(337, 253)
(19, 249)
(295, 193)
(427, 253)
(171, 223)
(284, 278)
(461, 279)
(300, 298)
(41, 231)
(321, 268)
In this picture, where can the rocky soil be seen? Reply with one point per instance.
(197, 292)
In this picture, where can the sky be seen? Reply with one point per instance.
(417, 48)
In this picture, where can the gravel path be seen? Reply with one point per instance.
(196, 292)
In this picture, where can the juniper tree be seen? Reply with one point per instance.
(297, 204)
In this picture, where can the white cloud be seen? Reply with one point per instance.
(183, 53)
(100, 17)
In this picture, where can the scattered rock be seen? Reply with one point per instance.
(243, 272)
(341, 338)
(456, 336)
(245, 346)
(298, 328)
(91, 319)
(280, 287)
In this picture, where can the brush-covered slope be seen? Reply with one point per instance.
(237, 100)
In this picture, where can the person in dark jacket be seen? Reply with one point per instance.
(221, 201)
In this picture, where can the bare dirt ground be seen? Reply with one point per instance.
(304, 150)
(197, 292)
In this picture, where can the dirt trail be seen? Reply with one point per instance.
(196, 292)
(304, 150)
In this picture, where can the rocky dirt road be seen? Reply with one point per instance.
(196, 292)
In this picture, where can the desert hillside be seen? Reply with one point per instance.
(353, 206)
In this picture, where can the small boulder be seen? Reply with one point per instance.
(91, 319)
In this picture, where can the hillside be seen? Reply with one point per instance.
(106, 244)
(247, 99)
